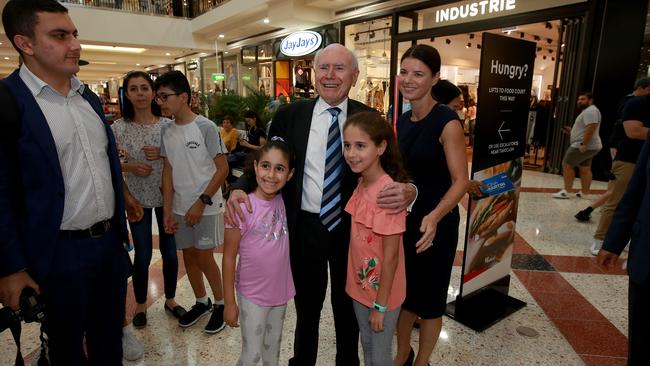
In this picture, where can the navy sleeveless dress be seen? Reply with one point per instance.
(428, 273)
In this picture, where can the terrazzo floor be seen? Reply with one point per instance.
(578, 309)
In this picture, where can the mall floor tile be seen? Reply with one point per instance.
(578, 309)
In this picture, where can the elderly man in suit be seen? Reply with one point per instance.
(319, 229)
(62, 221)
(630, 221)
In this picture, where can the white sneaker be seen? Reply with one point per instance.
(132, 347)
(595, 247)
(563, 194)
(579, 194)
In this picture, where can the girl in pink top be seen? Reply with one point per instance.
(376, 280)
(263, 277)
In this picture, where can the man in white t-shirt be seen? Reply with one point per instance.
(585, 144)
(195, 167)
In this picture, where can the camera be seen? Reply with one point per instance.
(32, 309)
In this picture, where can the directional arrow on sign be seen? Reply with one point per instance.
(501, 129)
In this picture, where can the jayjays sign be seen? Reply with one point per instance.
(300, 43)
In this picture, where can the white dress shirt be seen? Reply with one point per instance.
(312, 181)
(81, 145)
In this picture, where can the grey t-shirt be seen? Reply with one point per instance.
(588, 116)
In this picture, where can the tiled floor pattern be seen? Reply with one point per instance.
(579, 310)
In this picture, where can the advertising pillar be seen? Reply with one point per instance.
(504, 89)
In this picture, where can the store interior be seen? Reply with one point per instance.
(461, 56)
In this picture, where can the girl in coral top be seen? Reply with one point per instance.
(376, 280)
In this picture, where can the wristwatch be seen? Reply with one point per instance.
(379, 308)
(206, 199)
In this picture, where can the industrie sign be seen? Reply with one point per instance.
(475, 10)
(300, 43)
(472, 9)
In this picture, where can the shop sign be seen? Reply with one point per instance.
(218, 76)
(192, 65)
(246, 78)
(467, 11)
(300, 43)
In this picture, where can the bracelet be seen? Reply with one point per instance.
(379, 308)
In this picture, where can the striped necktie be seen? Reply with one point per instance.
(330, 207)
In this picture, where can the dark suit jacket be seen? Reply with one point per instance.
(32, 191)
(292, 122)
(632, 221)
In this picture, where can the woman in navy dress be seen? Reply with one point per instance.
(433, 146)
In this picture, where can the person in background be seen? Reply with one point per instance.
(138, 138)
(585, 144)
(471, 119)
(636, 120)
(445, 92)
(63, 230)
(619, 136)
(431, 139)
(194, 170)
(263, 277)
(229, 134)
(256, 136)
(630, 224)
(376, 281)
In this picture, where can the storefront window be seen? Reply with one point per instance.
(249, 79)
(644, 63)
(370, 41)
(231, 77)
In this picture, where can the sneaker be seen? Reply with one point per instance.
(563, 194)
(132, 347)
(595, 247)
(197, 312)
(583, 215)
(216, 323)
(579, 194)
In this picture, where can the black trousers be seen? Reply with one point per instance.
(85, 296)
(639, 324)
(312, 249)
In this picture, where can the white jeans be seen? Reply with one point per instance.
(261, 332)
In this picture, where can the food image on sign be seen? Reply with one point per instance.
(491, 227)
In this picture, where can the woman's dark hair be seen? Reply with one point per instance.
(19, 17)
(253, 114)
(274, 142)
(425, 53)
(176, 81)
(129, 111)
(379, 130)
(229, 118)
(445, 91)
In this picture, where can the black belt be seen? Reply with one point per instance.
(94, 232)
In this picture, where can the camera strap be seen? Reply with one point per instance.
(16, 328)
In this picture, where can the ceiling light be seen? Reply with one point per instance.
(549, 41)
(562, 44)
(550, 51)
(539, 49)
(0, 43)
(478, 46)
(356, 37)
(266, 21)
(167, 54)
(468, 45)
(6, 58)
(448, 41)
(137, 64)
(544, 57)
(471, 36)
(548, 25)
(221, 36)
(552, 58)
(225, 52)
(96, 47)
(103, 62)
(536, 38)
(371, 35)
